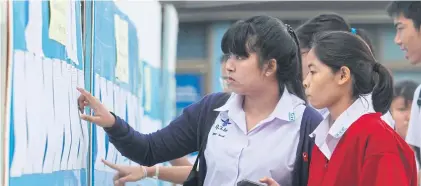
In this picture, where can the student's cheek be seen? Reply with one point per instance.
(317, 91)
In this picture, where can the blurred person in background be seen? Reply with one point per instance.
(401, 110)
(331, 22)
(403, 95)
(407, 20)
(265, 113)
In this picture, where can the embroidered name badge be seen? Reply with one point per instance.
(291, 116)
(221, 129)
(341, 132)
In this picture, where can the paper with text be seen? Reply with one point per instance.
(59, 21)
(122, 46)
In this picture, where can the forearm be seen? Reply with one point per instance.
(183, 161)
(175, 140)
(177, 174)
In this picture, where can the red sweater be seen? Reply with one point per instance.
(370, 153)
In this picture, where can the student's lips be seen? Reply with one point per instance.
(228, 79)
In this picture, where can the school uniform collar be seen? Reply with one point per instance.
(360, 107)
(284, 109)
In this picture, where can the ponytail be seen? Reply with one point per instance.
(296, 84)
(383, 88)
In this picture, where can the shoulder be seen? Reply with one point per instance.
(216, 97)
(311, 115)
(417, 93)
(418, 90)
(212, 99)
(310, 119)
(377, 137)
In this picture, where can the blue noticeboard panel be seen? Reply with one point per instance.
(123, 98)
(40, 154)
(48, 144)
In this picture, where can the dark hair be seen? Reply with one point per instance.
(327, 22)
(270, 38)
(409, 9)
(406, 90)
(338, 48)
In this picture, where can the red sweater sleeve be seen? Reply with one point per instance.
(387, 169)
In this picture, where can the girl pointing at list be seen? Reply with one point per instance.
(261, 129)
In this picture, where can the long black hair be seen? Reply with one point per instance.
(270, 39)
(338, 48)
(328, 22)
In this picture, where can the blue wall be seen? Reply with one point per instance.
(48, 143)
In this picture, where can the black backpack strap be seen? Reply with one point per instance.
(198, 172)
(309, 122)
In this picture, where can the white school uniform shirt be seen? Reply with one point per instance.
(269, 149)
(413, 136)
(387, 117)
(328, 138)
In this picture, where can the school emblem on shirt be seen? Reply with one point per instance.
(291, 116)
(305, 156)
(221, 129)
(225, 122)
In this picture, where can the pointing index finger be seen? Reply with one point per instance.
(111, 165)
(85, 93)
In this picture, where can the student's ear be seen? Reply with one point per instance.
(270, 68)
(343, 75)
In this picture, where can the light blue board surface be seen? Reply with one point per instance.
(52, 49)
(104, 62)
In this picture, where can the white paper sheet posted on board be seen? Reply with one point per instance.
(122, 46)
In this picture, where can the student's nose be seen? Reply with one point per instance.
(397, 39)
(230, 66)
(306, 81)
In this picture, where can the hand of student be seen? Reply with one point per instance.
(125, 173)
(269, 181)
(102, 117)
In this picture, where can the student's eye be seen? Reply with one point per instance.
(312, 72)
(237, 57)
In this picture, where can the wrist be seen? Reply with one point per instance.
(150, 171)
(113, 119)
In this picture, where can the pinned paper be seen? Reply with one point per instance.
(58, 23)
(148, 89)
(33, 31)
(19, 118)
(122, 45)
(71, 46)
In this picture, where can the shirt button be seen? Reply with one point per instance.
(326, 165)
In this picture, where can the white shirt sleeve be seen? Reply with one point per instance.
(413, 136)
